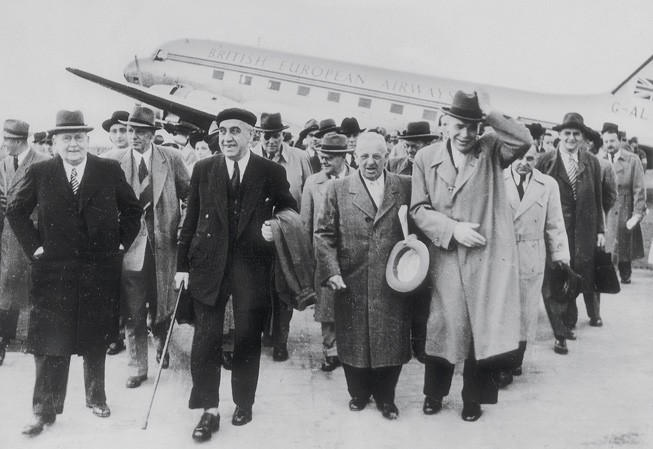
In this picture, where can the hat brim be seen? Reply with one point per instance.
(107, 124)
(138, 124)
(464, 118)
(70, 129)
(418, 136)
(264, 130)
(407, 265)
(335, 129)
(334, 150)
(573, 125)
(9, 135)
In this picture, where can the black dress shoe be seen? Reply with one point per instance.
(330, 363)
(388, 409)
(625, 280)
(166, 359)
(432, 405)
(570, 336)
(504, 378)
(135, 381)
(517, 371)
(358, 404)
(596, 322)
(116, 347)
(227, 360)
(101, 410)
(280, 354)
(241, 416)
(36, 424)
(471, 411)
(208, 425)
(560, 346)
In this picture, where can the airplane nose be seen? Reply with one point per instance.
(131, 73)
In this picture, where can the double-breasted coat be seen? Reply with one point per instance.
(76, 281)
(14, 264)
(540, 236)
(624, 244)
(474, 291)
(583, 215)
(354, 240)
(170, 185)
(312, 201)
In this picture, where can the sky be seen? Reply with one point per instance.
(570, 46)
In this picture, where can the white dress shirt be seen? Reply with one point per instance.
(376, 188)
(242, 165)
(566, 156)
(79, 168)
(458, 157)
(147, 156)
(517, 177)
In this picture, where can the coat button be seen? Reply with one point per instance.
(368, 219)
(208, 235)
(206, 216)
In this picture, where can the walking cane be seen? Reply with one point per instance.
(165, 351)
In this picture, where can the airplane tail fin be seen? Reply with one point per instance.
(641, 79)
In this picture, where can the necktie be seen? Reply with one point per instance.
(74, 184)
(572, 172)
(611, 157)
(520, 186)
(15, 163)
(146, 189)
(142, 171)
(235, 178)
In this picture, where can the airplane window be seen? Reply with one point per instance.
(430, 114)
(365, 103)
(333, 96)
(303, 91)
(246, 80)
(274, 85)
(161, 55)
(218, 74)
(397, 108)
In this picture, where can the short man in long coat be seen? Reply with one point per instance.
(459, 202)
(87, 213)
(354, 235)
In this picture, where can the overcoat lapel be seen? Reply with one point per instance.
(126, 164)
(531, 195)
(218, 176)
(60, 180)
(160, 167)
(559, 169)
(361, 198)
(511, 191)
(390, 192)
(444, 167)
(252, 188)
(89, 182)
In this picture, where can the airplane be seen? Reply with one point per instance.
(191, 80)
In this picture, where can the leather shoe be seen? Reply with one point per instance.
(227, 360)
(3, 350)
(596, 322)
(330, 363)
(560, 346)
(517, 371)
(208, 425)
(101, 410)
(570, 336)
(432, 405)
(358, 404)
(388, 409)
(135, 381)
(280, 354)
(166, 359)
(625, 280)
(471, 411)
(241, 416)
(504, 378)
(116, 347)
(36, 424)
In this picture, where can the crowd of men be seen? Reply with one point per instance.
(96, 247)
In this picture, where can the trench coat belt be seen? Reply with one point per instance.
(525, 237)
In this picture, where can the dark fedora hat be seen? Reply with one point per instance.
(115, 119)
(465, 107)
(271, 123)
(417, 131)
(236, 114)
(572, 120)
(141, 117)
(407, 265)
(536, 129)
(70, 121)
(350, 125)
(15, 129)
(610, 128)
(334, 143)
(309, 126)
(40, 137)
(326, 126)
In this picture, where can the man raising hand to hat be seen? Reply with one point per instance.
(459, 202)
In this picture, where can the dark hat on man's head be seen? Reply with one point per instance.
(536, 129)
(196, 137)
(572, 120)
(271, 123)
(141, 117)
(417, 131)
(350, 125)
(309, 126)
(610, 128)
(465, 107)
(115, 119)
(326, 126)
(40, 137)
(15, 129)
(236, 114)
(70, 121)
(334, 143)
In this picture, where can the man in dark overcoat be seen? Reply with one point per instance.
(354, 235)
(225, 249)
(87, 214)
(578, 175)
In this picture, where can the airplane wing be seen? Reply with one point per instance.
(166, 102)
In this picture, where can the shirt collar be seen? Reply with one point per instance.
(147, 155)
(377, 182)
(242, 164)
(21, 156)
(79, 168)
(277, 157)
(517, 177)
(569, 155)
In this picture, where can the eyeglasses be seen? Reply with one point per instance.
(271, 135)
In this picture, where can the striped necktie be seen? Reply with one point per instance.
(74, 184)
(572, 172)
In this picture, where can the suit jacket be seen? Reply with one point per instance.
(14, 264)
(76, 281)
(583, 215)
(170, 185)
(204, 246)
(401, 165)
(354, 240)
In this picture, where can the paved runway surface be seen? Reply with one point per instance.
(598, 396)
